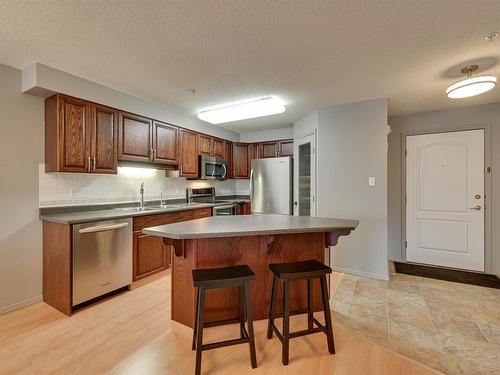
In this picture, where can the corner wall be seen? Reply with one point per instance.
(21, 150)
(352, 145)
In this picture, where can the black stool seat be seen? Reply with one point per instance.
(236, 276)
(299, 270)
(227, 276)
(309, 270)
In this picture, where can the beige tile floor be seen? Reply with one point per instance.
(451, 327)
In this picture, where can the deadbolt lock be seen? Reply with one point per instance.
(477, 196)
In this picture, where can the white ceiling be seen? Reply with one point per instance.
(310, 53)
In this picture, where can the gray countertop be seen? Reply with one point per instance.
(248, 225)
(121, 212)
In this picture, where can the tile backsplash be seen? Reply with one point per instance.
(63, 189)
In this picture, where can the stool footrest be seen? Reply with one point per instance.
(305, 332)
(222, 344)
(215, 323)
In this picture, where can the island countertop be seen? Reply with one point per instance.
(249, 225)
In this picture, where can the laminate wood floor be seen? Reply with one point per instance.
(131, 333)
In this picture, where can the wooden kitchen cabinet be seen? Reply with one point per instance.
(80, 136)
(150, 255)
(241, 163)
(268, 149)
(165, 143)
(205, 144)
(210, 146)
(228, 155)
(188, 154)
(244, 208)
(104, 139)
(219, 145)
(134, 138)
(285, 148)
(253, 151)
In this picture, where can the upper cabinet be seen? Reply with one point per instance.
(85, 137)
(210, 146)
(79, 136)
(241, 162)
(165, 143)
(275, 149)
(135, 138)
(188, 153)
(219, 148)
(269, 149)
(205, 144)
(104, 139)
(285, 148)
(228, 155)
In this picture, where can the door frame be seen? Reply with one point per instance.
(487, 185)
(314, 175)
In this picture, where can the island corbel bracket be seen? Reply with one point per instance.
(178, 245)
(332, 238)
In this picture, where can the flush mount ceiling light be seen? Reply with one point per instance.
(243, 110)
(471, 86)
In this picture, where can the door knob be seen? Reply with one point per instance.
(477, 208)
(295, 203)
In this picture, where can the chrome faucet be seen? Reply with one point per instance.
(141, 191)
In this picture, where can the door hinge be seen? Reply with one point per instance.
(313, 150)
(406, 244)
(313, 198)
(406, 199)
(406, 152)
(488, 169)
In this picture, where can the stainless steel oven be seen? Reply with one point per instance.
(212, 168)
(223, 210)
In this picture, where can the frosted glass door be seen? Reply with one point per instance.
(304, 177)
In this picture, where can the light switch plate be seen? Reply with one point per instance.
(371, 181)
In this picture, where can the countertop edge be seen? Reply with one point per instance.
(176, 236)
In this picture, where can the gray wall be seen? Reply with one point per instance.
(352, 145)
(21, 149)
(480, 116)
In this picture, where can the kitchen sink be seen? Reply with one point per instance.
(137, 209)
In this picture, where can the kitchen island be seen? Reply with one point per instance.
(255, 240)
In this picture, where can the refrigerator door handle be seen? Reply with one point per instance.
(251, 185)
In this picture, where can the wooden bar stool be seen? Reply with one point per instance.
(307, 270)
(204, 279)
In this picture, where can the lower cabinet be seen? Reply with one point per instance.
(244, 208)
(149, 252)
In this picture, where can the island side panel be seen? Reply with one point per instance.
(255, 251)
(183, 299)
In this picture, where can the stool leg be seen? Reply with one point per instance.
(309, 304)
(286, 322)
(200, 322)
(270, 322)
(241, 297)
(195, 325)
(328, 317)
(248, 303)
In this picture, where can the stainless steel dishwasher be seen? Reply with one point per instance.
(102, 258)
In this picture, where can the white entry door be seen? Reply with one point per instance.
(304, 176)
(445, 199)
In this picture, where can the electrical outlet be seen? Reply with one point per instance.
(371, 181)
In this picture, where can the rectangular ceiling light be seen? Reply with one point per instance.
(242, 111)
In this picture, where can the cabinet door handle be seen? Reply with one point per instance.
(151, 156)
(94, 163)
(89, 165)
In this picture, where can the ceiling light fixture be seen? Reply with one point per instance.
(491, 36)
(471, 86)
(244, 110)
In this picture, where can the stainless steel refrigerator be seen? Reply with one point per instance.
(271, 186)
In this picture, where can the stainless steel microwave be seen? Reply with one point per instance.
(212, 168)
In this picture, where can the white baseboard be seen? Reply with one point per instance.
(360, 273)
(18, 305)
